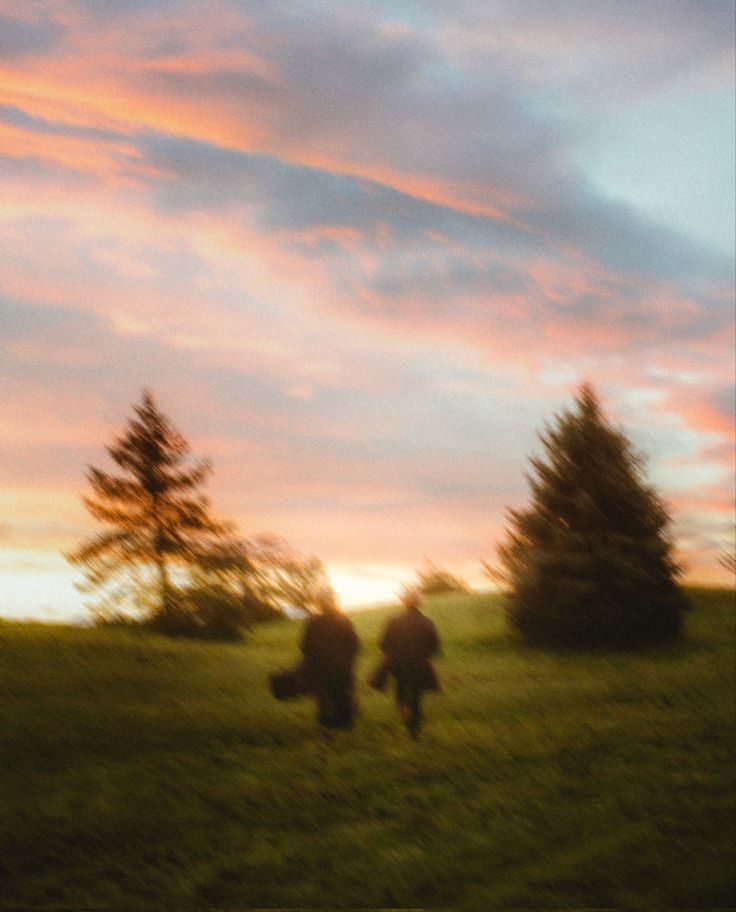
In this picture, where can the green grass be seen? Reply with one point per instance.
(137, 772)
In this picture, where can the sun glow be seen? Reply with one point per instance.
(361, 585)
(38, 585)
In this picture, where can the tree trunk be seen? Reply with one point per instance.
(164, 585)
(160, 558)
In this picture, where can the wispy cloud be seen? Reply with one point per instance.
(361, 254)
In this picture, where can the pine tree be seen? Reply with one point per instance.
(590, 563)
(154, 514)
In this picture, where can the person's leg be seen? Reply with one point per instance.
(325, 706)
(403, 699)
(344, 707)
(415, 712)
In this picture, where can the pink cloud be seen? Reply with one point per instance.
(359, 265)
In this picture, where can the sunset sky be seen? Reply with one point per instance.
(361, 252)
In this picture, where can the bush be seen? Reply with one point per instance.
(203, 612)
(434, 580)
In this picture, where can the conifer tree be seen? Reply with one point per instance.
(154, 515)
(590, 562)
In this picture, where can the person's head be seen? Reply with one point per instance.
(410, 598)
(325, 601)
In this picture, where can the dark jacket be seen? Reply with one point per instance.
(408, 642)
(329, 645)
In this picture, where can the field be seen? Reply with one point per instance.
(138, 772)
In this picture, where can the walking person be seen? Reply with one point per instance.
(408, 642)
(329, 646)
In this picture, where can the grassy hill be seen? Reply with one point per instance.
(141, 772)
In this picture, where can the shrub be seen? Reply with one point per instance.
(434, 580)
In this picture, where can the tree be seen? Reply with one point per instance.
(267, 575)
(590, 563)
(727, 557)
(155, 517)
(283, 577)
(434, 580)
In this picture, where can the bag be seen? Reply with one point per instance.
(288, 685)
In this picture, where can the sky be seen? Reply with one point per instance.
(361, 252)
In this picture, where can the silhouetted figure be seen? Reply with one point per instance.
(329, 646)
(408, 642)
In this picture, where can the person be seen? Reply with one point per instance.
(408, 642)
(329, 645)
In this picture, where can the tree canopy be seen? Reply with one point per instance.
(268, 575)
(590, 562)
(154, 516)
(162, 554)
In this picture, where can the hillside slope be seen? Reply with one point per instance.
(138, 771)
